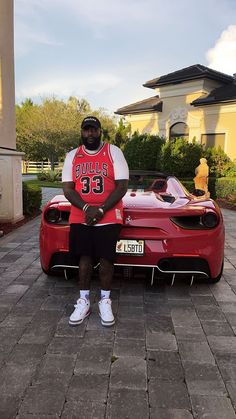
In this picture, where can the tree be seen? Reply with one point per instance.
(122, 134)
(58, 124)
(108, 124)
(44, 131)
(52, 128)
(26, 122)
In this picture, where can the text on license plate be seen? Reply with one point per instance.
(131, 247)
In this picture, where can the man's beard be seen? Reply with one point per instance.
(91, 145)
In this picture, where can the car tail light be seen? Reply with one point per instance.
(188, 222)
(52, 215)
(210, 220)
(206, 221)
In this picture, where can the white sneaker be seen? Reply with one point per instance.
(105, 311)
(81, 311)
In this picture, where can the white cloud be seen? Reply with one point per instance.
(222, 56)
(119, 11)
(110, 12)
(70, 85)
(29, 30)
(109, 47)
(26, 38)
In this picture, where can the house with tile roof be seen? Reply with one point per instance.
(195, 102)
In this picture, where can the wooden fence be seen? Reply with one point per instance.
(38, 166)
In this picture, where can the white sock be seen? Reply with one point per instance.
(105, 294)
(84, 294)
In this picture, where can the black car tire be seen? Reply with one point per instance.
(48, 272)
(215, 280)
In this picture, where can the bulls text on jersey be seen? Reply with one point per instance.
(90, 168)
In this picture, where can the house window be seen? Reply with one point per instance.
(179, 130)
(213, 140)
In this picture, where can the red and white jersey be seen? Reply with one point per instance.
(94, 178)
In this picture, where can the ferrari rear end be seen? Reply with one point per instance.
(187, 240)
(172, 237)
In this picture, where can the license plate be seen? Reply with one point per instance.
(130, 247)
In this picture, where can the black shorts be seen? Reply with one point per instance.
(97, 242)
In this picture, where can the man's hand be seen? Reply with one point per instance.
(93, 215)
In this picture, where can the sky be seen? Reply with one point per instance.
(105, 50)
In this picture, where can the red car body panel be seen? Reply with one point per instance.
(159, 218)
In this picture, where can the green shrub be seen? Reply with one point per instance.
(42, 176)
(225, 187)
(217, 160)
(32, 199)
(50, 176)
(230, 169)
(179, 157)
(143, 151)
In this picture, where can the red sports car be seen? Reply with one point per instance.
(165, 228)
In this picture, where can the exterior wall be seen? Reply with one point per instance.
(221, 119)
(200, 120)
(10, 187)
(144, 123)
(10, 160)
(7, 88)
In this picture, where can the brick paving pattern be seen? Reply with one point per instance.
(171, 354)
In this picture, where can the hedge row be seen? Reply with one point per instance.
(32, 199)
(178, 156)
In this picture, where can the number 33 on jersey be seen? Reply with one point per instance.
(93, 175)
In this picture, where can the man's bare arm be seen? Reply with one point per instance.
(93, 214)
(117, 194)
(73, 197)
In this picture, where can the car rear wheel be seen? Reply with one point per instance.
(48, 272)
(214, 280)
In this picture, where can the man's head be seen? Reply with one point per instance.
(91, 132)
(203, 160)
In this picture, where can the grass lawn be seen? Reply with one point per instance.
(44, 184)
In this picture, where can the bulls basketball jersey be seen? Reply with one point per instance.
(93, 175)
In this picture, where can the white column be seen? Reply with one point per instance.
(10, 159)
